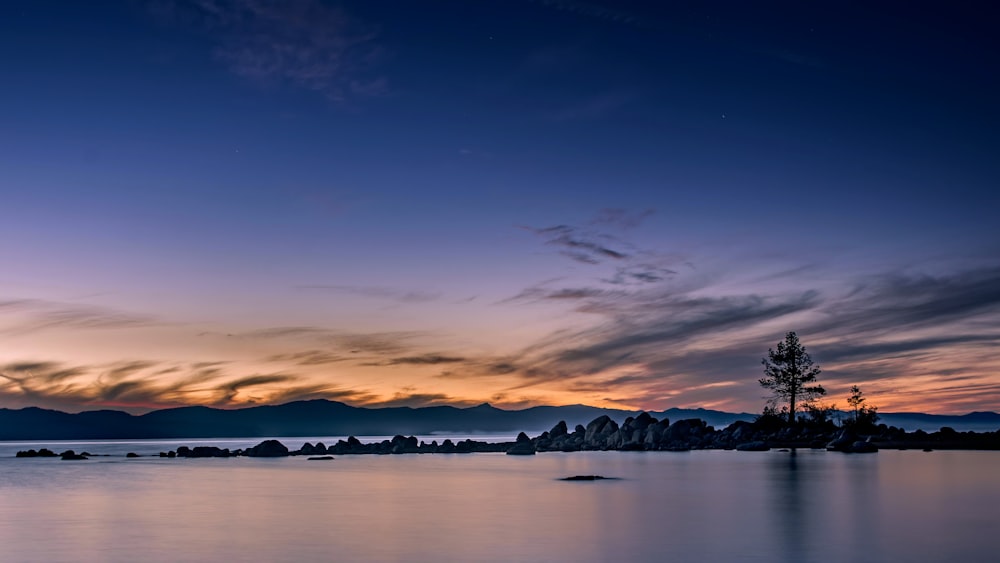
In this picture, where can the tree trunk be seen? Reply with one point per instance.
(791, 411)
(794, 369)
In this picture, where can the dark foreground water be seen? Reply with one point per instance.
(695, 506)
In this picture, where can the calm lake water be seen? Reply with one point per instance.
(694, 506)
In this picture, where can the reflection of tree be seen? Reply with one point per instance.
(862, 508)
(814, 498)
(788, 498)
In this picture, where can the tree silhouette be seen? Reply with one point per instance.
(864, 416)
(789, 374)
(856, 399)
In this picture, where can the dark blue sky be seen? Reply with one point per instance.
(614, 202)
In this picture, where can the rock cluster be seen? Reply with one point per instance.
(406, 445)
(43, 452)
(522, 446)
(640, 433)
(204, 451)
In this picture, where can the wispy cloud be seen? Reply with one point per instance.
(309, 358)
(378, 292)
(623, 218)
(542, 293)
(427, 359)
(912, 336)
(232, 389)
(592, 245)
(143, 385)
(640, 274)
(411, 398)
(699, 343)
(308, 44)
(580, 246)
(30, 315)
(901, 300)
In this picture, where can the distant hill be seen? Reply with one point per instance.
(973, 422)
(329, 418)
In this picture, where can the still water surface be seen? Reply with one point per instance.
(694, 506)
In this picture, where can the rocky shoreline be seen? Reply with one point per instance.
(640, 433)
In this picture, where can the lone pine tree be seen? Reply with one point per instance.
(791, 375)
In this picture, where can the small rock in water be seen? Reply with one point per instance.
(586, 478)
(320, 458)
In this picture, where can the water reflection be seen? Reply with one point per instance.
(697, 506)
(789, 489)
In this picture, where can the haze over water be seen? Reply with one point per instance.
(693, 506)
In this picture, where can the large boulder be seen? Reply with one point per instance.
(739, 430)
(522, 448)
(404, 445)
(596, 426)
(634, 430)
(654, 434)
(684, 431)
(267, 448)
(602, 434)
(644, 420)
(558, 430)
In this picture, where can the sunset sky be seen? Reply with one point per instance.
(621, 204)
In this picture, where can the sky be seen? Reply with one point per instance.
(521, 202)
